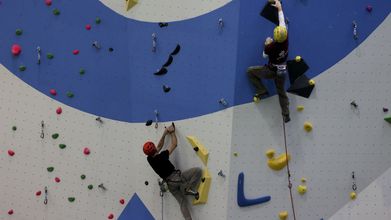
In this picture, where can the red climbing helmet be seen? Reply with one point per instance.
(149, 148)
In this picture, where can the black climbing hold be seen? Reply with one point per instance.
(169, 61)
(176, 50)
(111, 49)
(196, 149)
(385, 110)
(146, 183)
(301, 87)
(55, 136)
(82, 176)
(56, 12)
(22, 68)
(14, 128)
(166, 88)
(62, 146)
(98, 20)
(203, 179)
(163, 24)
(149, 123)
(296, 69)
(160, 72)
(19, 32)
(270, 13)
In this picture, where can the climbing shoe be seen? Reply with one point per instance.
(286, 118)
(192, 193)
(257, 97)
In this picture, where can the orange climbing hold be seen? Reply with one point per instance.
(16, 49)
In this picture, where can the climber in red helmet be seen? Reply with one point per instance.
(179, 183)
(276, 50)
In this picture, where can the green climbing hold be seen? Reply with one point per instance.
(82, 71)
(22, 68)
(49, 56)
(90, 187)
(98, 20)
(70, 95)
(50, 169)
(19, 32)
(62, 146)
(83, 177)
(55, 136)
(56, 11)
(71, 199)
(14, 128)
(388, 118)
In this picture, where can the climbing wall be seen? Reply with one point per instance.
(80, 79)
(344, 139)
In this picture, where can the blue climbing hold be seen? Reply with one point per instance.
(242, 201)
(136, 210)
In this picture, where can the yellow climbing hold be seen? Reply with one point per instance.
(300, 108)
(308, 126)
(298, 58)
(283, 215)
(303, 180)
(276, 163)
(203, 189)
(311, 82)
(301, 189)
(353, 195)
(199, 148)
(130, 4)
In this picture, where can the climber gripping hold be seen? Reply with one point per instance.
(277, 51)
(179, 183)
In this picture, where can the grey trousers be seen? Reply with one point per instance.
(256, 73)
(177, 184)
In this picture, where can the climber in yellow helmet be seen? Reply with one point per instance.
(276, 49)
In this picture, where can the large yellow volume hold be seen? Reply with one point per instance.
(199, 148)
(276, 163)
(203, 189)
(130, 4)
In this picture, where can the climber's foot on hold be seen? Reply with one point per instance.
(286, 118)
(258, 96)
(192, 193)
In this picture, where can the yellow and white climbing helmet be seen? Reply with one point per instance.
(280, 34)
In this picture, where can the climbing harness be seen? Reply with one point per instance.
(289, 173)
(281, 69)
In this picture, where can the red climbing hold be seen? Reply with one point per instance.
(16, 49)
(11, 153)
(111, 216)
(76, 52)
(10, 212)
(59, 110)
(48, 2)
(53, 92)
(86, 151)
(57, 180)
(38, 193)
(88, 27)
(122, 201)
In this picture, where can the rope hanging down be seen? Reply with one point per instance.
(289, 172)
